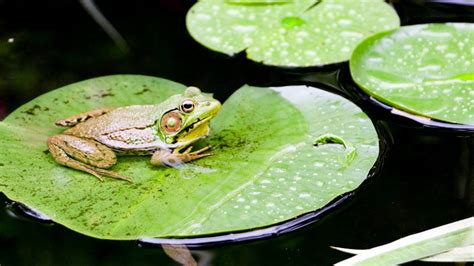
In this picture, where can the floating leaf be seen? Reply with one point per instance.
(299, 33)
(258, 2)
(264, 170)
(416, 246)
(423, 69)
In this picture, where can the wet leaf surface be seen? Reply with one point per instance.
(265, 168)
(295, 33)
(423, 69)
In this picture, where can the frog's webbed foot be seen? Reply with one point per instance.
(85, 155)
(79, 118)
(176, 158)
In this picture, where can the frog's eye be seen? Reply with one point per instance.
(187, 106)
(171, 122)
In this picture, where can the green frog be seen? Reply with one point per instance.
(165, 131)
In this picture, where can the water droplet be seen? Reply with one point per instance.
(244, 28)
(270, 205)
(318, 164)
(304, 195)
(344, 22)
(232, 12)
(201, 16)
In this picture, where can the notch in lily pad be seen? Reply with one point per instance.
(334, 139)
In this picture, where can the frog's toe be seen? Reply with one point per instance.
(113, 175)
(202, 150)
(197, 156)
(193, 155)
(176, 158)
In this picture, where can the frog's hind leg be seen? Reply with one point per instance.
(79, 118)
(82, 154)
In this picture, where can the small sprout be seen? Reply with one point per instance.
(334, 139)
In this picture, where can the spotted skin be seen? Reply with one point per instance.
(82, 117)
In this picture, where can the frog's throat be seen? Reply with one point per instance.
(194, 131)
(189, 134)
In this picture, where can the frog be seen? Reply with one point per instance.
(165, 131)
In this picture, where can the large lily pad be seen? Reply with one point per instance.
(423, 69)
(264, 170)
(289, 33)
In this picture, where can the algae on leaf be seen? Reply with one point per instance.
(292, 33)
(264, 170)
(422, 69)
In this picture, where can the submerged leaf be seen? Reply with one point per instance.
(264, 170)
(298, 33)
(423, 69)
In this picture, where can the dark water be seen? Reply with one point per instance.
(427, 177)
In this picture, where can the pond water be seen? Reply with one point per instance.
(426, 178)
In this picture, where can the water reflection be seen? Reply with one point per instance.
(18, 210)
(184, 256)
(180, 253)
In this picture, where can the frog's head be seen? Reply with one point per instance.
(187, 119)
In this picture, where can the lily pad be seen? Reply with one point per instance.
(296, 33)
(426, 70)
(265, 168)
(257, 2)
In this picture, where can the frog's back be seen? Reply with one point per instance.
(128, 117)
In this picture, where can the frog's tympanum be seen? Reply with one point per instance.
(164, 131)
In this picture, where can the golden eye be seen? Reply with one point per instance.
(187, 106)
(171, 122)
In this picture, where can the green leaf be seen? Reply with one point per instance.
(264, 170)
(257, 2)
(423, 69)
(298, 33)
(461, 254)
(416, 246)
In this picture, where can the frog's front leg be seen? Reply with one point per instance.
(83, 154)
(176, 157)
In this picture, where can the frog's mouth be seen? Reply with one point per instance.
(196, 130)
